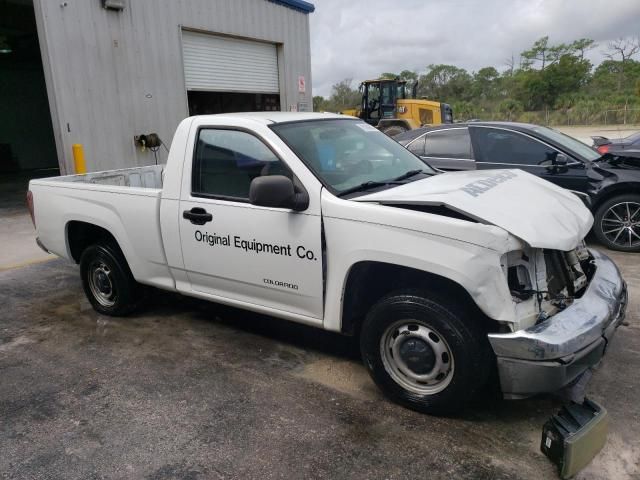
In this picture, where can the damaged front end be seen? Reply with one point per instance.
(569, 305)
(543, 282)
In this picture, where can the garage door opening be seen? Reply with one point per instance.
(224, 74)
(27, 147)
(206, 103)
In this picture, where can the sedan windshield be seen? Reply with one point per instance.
(350, 155)
(570, 143)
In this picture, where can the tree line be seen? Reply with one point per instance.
(547, 83)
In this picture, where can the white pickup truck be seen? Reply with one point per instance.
(321, 219)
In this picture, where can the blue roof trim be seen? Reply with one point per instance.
(300, 5)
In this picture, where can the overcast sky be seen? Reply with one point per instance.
(362, 38)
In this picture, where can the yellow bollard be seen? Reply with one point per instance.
(78, 158)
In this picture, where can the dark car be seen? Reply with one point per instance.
(609, 184)
(618, 146)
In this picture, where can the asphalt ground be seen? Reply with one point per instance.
(187, 389)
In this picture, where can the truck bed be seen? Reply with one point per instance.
(125, 203)
(141, 177)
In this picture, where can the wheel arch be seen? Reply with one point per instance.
(368, 281)
(79, 235)
(624, 188)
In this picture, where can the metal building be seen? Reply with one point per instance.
(118, 69)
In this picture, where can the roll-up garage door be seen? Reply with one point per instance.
(222, 64)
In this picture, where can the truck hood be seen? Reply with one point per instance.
(534, 210)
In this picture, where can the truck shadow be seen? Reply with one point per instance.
(333, 360)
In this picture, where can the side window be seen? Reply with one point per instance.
(226, 161)
(417, 146)
(452, 143)
(505, 146)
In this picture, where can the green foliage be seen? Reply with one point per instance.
(464, 110)
(445, 81)
(509, 108)
(343, 96)
(318, 103)
(553, 83)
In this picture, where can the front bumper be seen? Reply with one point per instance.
(553, 353)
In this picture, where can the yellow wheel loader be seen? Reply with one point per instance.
(385, 105)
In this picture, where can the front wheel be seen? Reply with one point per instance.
(423, 354)
(107, 280)
(617, 223)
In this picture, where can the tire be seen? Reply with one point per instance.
(429, 325)
(617, 223)
(394, 130)
(107, 280)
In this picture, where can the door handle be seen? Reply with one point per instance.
(197, 216)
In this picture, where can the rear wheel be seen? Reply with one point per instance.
(107, 280)
(617, 223)
(424, 354)
(394, 130)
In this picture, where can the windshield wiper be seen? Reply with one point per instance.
(409, 174)
(371, 184)
(367, 186)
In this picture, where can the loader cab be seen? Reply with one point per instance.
(379, 99)
(387, 105)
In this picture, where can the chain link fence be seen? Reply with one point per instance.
(583, 115)
(619, 116)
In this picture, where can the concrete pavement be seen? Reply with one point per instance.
(189, 389)
(17, 235)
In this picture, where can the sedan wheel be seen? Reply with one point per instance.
(620, 225)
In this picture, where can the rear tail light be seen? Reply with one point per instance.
(602, 149)
(30, 207)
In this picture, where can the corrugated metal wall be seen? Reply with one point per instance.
(112, 75)
(225, 64)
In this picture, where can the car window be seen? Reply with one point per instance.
(568, 143)
(451, 143)
(226, 161)
(417, 146)
(494, 145)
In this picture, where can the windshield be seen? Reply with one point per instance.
(570, 143)
(346, 153)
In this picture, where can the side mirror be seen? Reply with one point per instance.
(556, 163)
(277, 191)
(560, 163)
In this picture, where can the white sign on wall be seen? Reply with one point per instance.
(302, 84)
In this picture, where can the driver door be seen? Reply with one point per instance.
(262, 256)
(388, 100)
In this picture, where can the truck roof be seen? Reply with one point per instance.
(278, 117)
